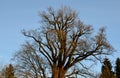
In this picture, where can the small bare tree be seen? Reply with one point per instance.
(29, 62)
(64, 41)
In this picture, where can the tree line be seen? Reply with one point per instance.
(61, 47)
(107, 71)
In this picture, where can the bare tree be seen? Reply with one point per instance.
(29, 62)
(64, 40)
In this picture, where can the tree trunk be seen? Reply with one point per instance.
(58, 72)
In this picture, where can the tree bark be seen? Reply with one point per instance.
(58, 72)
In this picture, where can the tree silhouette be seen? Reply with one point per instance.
(63, 40)
(8, 72)
(117, 68)
(107, 69)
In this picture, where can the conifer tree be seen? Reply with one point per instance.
(9, 72)
(117, 68)
(107, 69)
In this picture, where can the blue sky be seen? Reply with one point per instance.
(16, 15)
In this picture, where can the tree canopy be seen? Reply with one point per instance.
(65, 41)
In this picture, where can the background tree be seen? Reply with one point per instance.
(2, 72)
(107, 69)
(8, 72)
(64, 41)
(29, 62)
(117, 68)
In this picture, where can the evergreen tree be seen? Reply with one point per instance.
(117, 68)
(107, 69)
(9, 72)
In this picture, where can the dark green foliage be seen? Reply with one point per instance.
(107, 69)
(117, 68)
(107, 64)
